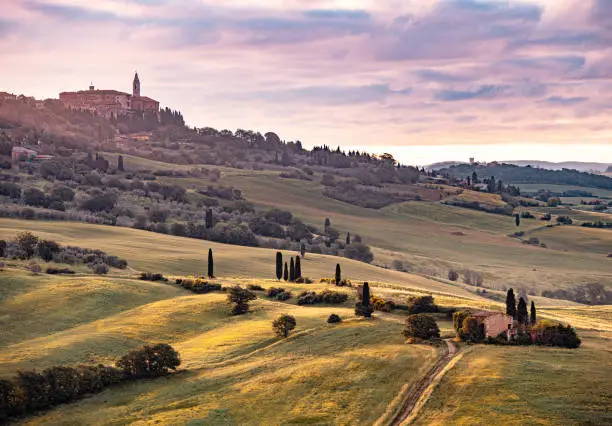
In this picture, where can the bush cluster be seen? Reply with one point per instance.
(63, 271)
(279, 293)
(419, 305)
(421, 326)
(255, 287)
(149, 276)
(198, 285)
(324, 297)
(239, 298)
(379, 304)
(334, 319)
(31, 391)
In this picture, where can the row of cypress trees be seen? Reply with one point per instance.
(291, 271)
(519, 311)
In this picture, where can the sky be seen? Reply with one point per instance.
(426, 80)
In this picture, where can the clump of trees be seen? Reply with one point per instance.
(239, 299)
(31, 391)
(283, 325)
(421, 327)
(278, 293)
(589, 294)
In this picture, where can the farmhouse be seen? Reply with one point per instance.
(494, 323)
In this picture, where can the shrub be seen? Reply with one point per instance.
(472, 330)
(382, 305)
(99, 268)
(35, 198)
(240, 297)
(283, 296)
(326, 296)
(62, 193)
(62, 271)
(27, 243)
(283, 325)
(255, 287)
(359, 251)
(148, 276)
(281, 217)
(334, 319)
(306, 280)
(100, 203)
(550, 334)
(420, 326)
(198, 285)
(149, 361)
(458, 319)
(421, 305)
(47, 249)
(453, 275)
(11, 190)
(34, 268)
(362, 310)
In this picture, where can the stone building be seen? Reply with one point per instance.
(110, 103)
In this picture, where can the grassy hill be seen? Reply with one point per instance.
(236, 370)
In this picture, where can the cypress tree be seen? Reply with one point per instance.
(298, 267)
(286, 274)
(348, 238)
(533, 318)
(365, 296)
(521, 311)
(302, 249)
(279, 265)
(120, 163)
(338, 274)
(511, 304)
(517, 220)
(209, 218)
(211, 266)
(327, 224)
(291, 270)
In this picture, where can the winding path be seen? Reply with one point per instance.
(415, 396)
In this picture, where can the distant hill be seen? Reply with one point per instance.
(517, 175)
(572, 165)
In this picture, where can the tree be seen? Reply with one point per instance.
(211, 265)
(291, 270)
(327, 224)
(458, 319)
(421, 326)
(120, 163)
(209, 218)
(521, 312)
(453, 275)
(475, 178)
(240, 297)
(35, 197)
(3, 247)
(472, 330)
(364, 307)
(298, 267)
(517, 220)
(283, 325)
(149, 361)
(279, 265)
(338, 276)
(511, 304)
(302, 249)
(46, 249)
(27, 242)
(348, 238)
(359, 251)
(533, 318)
(286, 272)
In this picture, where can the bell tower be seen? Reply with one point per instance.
(136, 86)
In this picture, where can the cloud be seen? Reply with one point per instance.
(67, 12)
(560, 100)
(483, 92)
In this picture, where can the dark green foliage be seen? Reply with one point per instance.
(149, 361)
(324, 297)
(209, 218)
(359, 251)
(11, 190)
(327, 224)
(100, 203)
(458, 319)
(511, 304)
(47, 249)
(279, 216)
(27, 243)
(420, 326)
(148, 276)
(298, 268)
(279, 265)
(364, 307)
(3, 246)
(453, 275)
(36, 390)
(59, 271)
(472, 330)
(255, 287)
(338, 274)
(533, 317)
(565, 220)
(517, 220)
(12, 401)
(283, 325)
(291, 270)
(278, 293)
(298, 231)
(198, 285)
(521, 312)
(590, 294)
(211, 265)
(286, 272)
(302, 249)
(348, 238)
(365, 294)
(240, 297)
(334, 319)
(420, 305)
(267, 228)
(35, 197)
(120, 163)
(557, 335)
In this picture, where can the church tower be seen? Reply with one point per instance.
(136, 86)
